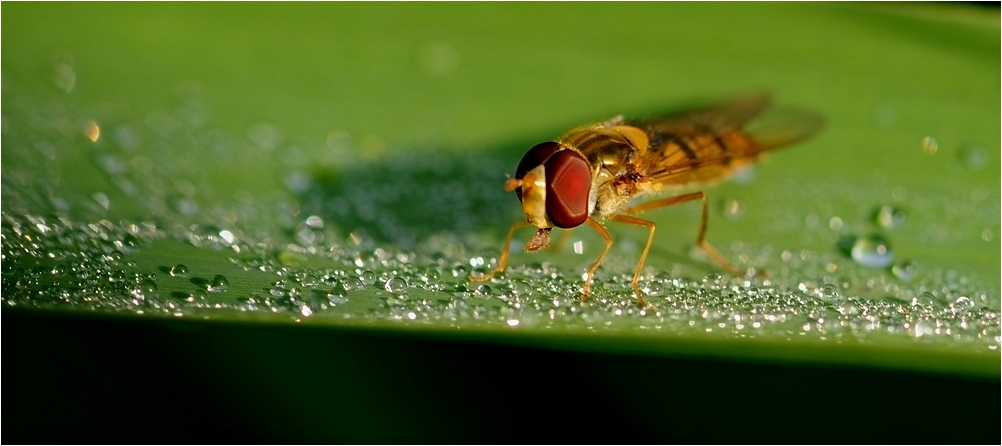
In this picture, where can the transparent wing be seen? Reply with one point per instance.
(708, 144)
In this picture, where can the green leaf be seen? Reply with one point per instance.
(340, 165)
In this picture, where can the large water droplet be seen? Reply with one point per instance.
(218, 284)
(829, 291)
(367, 278)
(873, 251)
(179, 270)
(396, 285)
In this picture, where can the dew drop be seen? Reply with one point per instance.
(872, 251)
(829, 291)
(521, 288)
(179, 270)
(218, 284)
(926, 300)
(654, 288)
(197, 295)
(396, 285)
(352, 283)
(962, 305)
(482, 290)
(904, 270)
(148, 288)
(713, 279)
(367, 278)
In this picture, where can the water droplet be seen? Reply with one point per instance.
(482, 290)
(654, 288)
(179, 270)
(829, 291)
(396, 285)
(197, 295)
(521, 288)
(930, 145)
(873, 251)
(904, 270)
(367, 278)
(974, 156)
(962, 305)
(890, 217)
(218, 284)
(148, 287)
(713, 278)
(352, 283)
(926, 300)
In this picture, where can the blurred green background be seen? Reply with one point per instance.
(249, 117)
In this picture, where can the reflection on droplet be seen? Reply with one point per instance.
(930, 145)
(873, 251)
(179, 270)
(904, 270)
(218, 284)
(579, 247)
(890, 217)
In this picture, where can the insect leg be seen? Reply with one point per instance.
(594, 266)
(701, 236)
(503, 261)
(647, 248)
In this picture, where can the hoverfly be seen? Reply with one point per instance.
(595, 171)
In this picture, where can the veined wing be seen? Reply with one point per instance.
(708, 144)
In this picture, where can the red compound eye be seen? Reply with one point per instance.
(568, 181)
(534, 158)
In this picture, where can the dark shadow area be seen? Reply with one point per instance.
(100, 380)
(408, 195)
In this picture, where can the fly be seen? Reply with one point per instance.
(595, 172)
